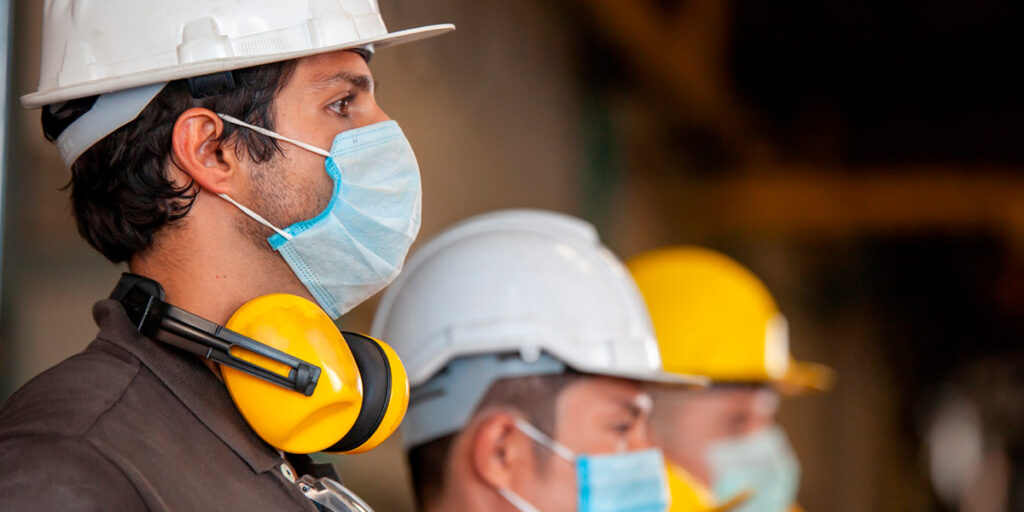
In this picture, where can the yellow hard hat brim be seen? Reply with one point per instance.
(804, 377)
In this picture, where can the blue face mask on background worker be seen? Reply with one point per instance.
(358, 244)
(629, 481)
(762, 463)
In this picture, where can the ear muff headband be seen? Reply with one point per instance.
(142, 299)
(375, 371)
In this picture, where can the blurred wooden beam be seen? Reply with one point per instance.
(845, 202)
(683, 55)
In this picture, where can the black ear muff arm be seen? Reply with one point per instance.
(214, 342)
(142, 299)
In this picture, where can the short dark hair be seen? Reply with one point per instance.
(120, 189)
(534, 396)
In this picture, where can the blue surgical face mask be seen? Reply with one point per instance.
(632, 481)
(762, 462)
(358, 244)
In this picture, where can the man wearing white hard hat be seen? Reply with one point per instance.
(226, 151)
(526, 343)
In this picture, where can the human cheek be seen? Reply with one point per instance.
(311, 186)
(560, 487)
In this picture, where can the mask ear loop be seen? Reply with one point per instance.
(308, 147)
(255, 216)
(516, 500)
(544, 440)
(263, 131)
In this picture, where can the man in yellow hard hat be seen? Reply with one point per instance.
(714, 317)
(224, 150)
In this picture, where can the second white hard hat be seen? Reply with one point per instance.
(537, 286)
(521, 281)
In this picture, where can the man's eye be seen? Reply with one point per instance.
(341, 106)
(622, 428)
(737, 423)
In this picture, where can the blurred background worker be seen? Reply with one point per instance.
(526, 343)
(714, 317)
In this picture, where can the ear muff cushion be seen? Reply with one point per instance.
(376, 375)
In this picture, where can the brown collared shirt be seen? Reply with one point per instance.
(129, 425)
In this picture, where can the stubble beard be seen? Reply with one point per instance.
(279, 201)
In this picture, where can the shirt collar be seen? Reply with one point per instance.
(191, 382)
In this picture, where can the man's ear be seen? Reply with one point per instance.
(199, 152)
(500, 450)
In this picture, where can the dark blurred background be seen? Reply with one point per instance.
(864, 158)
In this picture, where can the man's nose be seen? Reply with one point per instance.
(376, 115)
(369, 115)
(640, 438)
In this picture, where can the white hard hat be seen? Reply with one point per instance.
(93, 47)
(533, 284)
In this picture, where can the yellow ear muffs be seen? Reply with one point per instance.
(385, 394)
(300, 383)
(359, 398)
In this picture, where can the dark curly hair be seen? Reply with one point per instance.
(120, 188)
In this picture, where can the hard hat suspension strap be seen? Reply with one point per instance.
(211, 85)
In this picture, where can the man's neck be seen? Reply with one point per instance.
(470, 497)
(214, 274)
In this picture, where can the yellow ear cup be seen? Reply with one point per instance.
(285, 419)
(385, 395)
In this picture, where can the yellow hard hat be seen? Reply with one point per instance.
(361, 396)
(714, 317)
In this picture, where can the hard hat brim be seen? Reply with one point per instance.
(676, 379)
(805, 377)
(801, 378)
(176, 72)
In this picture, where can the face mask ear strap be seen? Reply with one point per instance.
(544, 440)
(275, 135)
(516, 500)
(255, 216)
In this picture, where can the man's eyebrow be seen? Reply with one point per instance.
(357, 80)
(632, 407)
